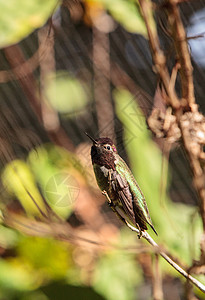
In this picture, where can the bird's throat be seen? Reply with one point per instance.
(102, 159)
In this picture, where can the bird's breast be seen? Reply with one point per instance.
(102, 174)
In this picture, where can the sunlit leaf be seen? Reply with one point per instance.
(117, 274)
(55, 170)
(127, 13)
(19, 181)
(48, 258)
(20, 18)
(65, 93)
(14, 276)
(8, 237)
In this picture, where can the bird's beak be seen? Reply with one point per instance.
(92, 139)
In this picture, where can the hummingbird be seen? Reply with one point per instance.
(118, 184)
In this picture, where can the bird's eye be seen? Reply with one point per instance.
(108, 148)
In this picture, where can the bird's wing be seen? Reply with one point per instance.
(121, 187)
(131, 196)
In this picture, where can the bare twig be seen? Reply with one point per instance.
(29, 66)
(182, 51)
(147, 237)
(157, 280)
(157, 53)
(16, 58)
(65, 232)
(47, 66)
(101, 68)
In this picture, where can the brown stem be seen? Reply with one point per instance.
(15, 58)
(147, 237)
(173, 263)
(157, 54)
(101, 67)
(198, 173)
(157, 280)
(182, 51)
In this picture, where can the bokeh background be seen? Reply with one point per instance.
(72, 67)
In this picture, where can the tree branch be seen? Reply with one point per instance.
(179, 269)
(157, 54)
(182, 51)
(147, 237)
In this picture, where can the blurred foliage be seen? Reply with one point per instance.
(58, 173)
(45, 269)
(171, 220)
(14, 276)
(64, 93)
(18, 179)
(39, 263)
(127, 13)
(8, 237)
(117, 273)
(20, 18)
(45, 258)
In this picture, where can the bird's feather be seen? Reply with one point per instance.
(130, 195)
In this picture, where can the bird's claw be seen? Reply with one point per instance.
(139, 233)
(109, 201)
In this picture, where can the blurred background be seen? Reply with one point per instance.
(72, 67)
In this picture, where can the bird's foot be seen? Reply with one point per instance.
(140, 231)
(137, 230)
(109, 201)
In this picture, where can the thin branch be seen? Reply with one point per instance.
(195, 164)
(157, 249)
(179, 269)
(182, 51)
(29, 66)
(101, 69)
(16, 57)
(157, 280)
(64, 232)
(157, 54)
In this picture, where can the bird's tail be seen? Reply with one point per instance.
(153, 229)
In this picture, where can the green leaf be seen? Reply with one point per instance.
(48, 258)
(127, 13)
(20, 18)
(14, 276)
(65, 93)
(19, 181)
(8, 237)
(55, 170)
(117, 273)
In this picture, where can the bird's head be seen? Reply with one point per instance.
(103, 151)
